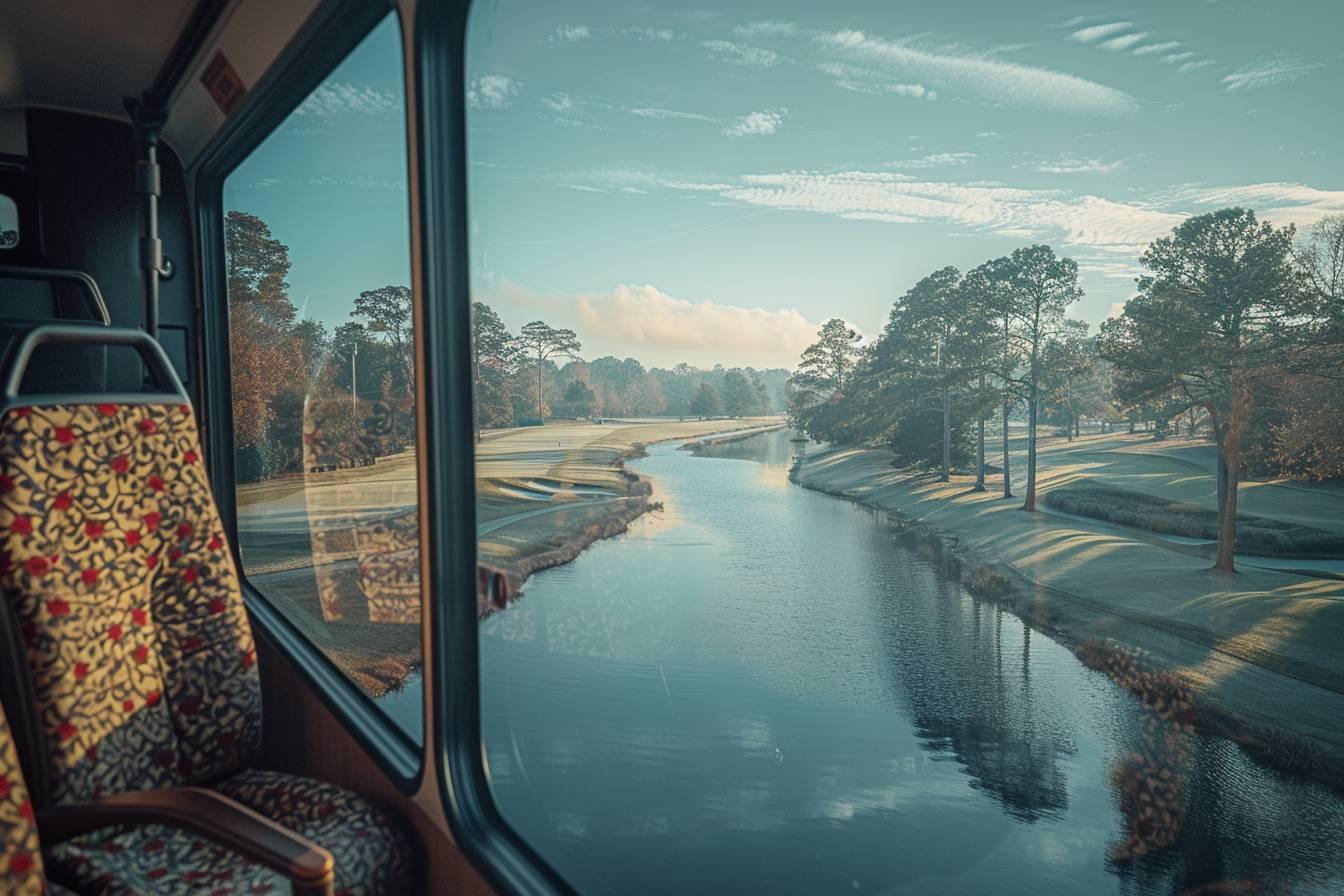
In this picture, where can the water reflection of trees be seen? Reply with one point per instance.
(964, 667)
(1199, 817)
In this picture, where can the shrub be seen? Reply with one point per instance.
(1255, 534)
(986, 581)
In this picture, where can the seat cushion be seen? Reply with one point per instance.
(372, 858)
(113, 553)
(156, 859)
(20, 855)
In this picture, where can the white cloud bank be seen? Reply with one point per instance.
(659, 329)
(647, 318)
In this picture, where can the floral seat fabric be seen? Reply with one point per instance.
(154, 859)
(20, 854)
(142, 657)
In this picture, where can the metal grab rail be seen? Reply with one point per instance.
(156, 361)
(97, 307)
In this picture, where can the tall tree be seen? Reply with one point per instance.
(918, 349)
(986, 351)
(824, 369)
(1219, 308)
(542, 342)
(263, 362)
(739, 399)
(1043, 286)
(707, 402)
(493, 351)
(387, 312)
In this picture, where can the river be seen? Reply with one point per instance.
(766, 689)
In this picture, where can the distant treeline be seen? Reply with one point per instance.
(518, 378)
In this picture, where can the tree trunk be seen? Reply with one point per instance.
(980, 443)
(1228, 476)
(540, 414)
(1077, 430)
(1030, 502)
(946, 474)
(1007, 479)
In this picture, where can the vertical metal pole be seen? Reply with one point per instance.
(148, 121)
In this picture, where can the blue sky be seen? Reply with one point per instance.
(710, 184)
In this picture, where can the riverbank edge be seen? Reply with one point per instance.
(1039, 605)
(636, 502)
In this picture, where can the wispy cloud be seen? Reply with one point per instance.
(866, 80)
(767, 28)
(1153, 49)
(1123, 42)
(341, 97)
(1189, 67)
(570, 34)
(987, 78)
(741, 54)
(1178, 57)
(1097, 32)
(756, 124)
(491, 91)
(559, 102)
(935, 160)
(643, 32)
(1068, 164)
(664, 114)
(1271, 71)
(1277, 202)
(359, 181)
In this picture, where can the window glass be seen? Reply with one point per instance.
(320, 338)
(875, 401)
(9, 223)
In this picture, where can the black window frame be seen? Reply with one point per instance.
(439, 200)
(323, 43)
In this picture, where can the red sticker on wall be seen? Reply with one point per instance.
(223, 83)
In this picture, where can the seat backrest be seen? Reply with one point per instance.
(114, 557)
(20, 854)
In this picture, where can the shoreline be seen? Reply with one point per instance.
(1284, 710)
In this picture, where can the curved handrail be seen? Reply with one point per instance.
(97, 306)
(156, 361)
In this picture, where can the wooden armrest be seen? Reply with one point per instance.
(308, 866)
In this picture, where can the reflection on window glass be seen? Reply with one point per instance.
(9, 223)
(320, 339)
(915, 434)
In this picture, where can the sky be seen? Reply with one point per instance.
(710, 184)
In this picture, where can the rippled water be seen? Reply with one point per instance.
(764, 689)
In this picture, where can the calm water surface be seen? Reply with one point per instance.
(764, 689)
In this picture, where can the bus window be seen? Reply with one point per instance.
(316, 231)
(916, 434)
(9, 223)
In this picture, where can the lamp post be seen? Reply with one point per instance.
(354, 408)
